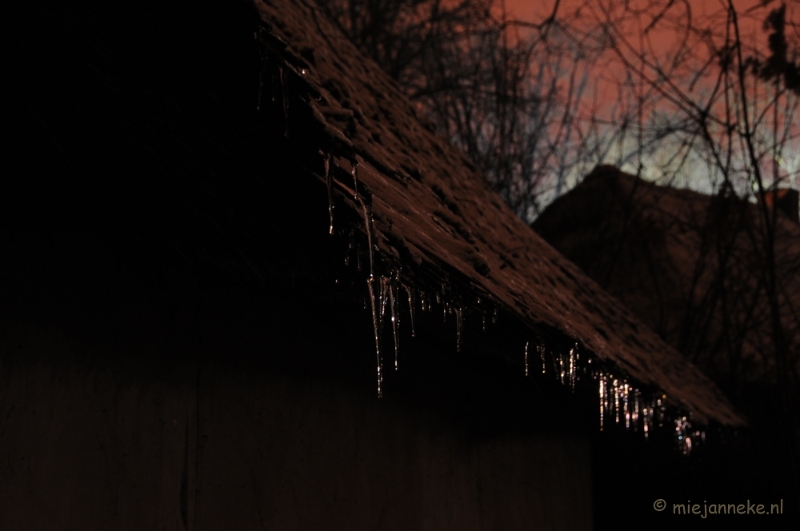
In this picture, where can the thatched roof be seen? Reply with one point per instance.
(432, 211)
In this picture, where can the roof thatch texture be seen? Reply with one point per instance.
(431, 209)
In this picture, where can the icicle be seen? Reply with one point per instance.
(395, 323)
(526, 359)
(626, 394)
(370, 285)
(410, 309)
(483, 322)
(368, 226)
(376, 331)
(541, 349)
(494, 315)
(458, 311)
(602, 386)
(329, 181)
(381, 301)
(635, 416)
(616, 399)
(354, 173)
(573, 367)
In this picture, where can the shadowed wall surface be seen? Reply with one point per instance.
(125, 405)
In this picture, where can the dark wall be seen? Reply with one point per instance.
(134, 403)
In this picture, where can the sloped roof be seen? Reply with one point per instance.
(431, 209)
(669, 254)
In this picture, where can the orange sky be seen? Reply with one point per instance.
(537, 10)
(533, 10)
(751, 25)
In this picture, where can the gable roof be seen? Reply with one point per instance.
(424, 206)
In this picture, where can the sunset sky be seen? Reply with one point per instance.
(535, 10)
(663, 44)
(751, 12)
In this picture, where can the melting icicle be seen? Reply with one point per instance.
(635, 415)
(368, 220)
(329, 181)
(541, 349)
(383, 299)
(395, 323)
(526, 358)
(370, 286)
(625, 397)
(458, 312)
(602, 387)
(410, 309)
(616, 399)
(354, 173)
(573, 367)
(376, 330)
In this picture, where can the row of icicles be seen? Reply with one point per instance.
(620, 402)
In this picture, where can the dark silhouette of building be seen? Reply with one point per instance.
(692, 267)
